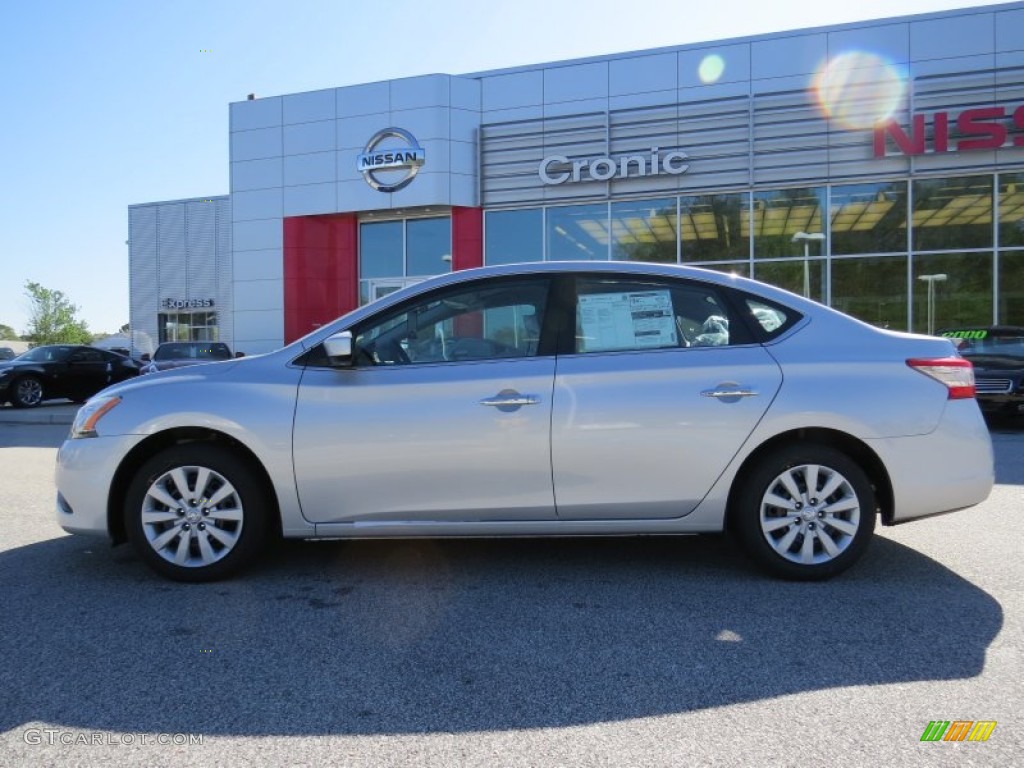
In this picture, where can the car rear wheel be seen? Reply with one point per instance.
(805, 512)
(194, 512)
(27, 392)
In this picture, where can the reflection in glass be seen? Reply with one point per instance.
(952, 213)
(711, 227)
(428, 244)
(511, 237)
(869, 218)
(872, 289)
(1011, 209)
(780, 214)
(741, 268)
(1011, 287)
(964, 297)
(577, 232)
(794, 276)
(644, 230)
(380, 249)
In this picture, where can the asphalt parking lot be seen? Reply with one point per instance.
(567, 652)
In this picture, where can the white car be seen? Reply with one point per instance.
(550, 399)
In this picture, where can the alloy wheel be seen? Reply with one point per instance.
(192, 516)
(810, 514)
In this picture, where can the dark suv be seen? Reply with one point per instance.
(177, 354)
(997, 353)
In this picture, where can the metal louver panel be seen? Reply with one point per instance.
(143, 294)
(171, 251)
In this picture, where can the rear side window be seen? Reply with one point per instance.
(770, 319)
(625, 314)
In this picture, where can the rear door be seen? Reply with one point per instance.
(87, 372)
(662, 385)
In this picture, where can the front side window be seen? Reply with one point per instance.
(627, 314)
(485, 321)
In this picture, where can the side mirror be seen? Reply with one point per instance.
(145, 357)
(239, 354)
(339, 348)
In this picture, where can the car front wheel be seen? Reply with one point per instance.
(805, 512)
(194, 512)
(28, 392)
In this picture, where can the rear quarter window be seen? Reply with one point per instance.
(769, 320)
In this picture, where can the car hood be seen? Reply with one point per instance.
(6, 365)
(172, 376)
(168, 365)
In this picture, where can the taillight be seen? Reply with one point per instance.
(955, 373)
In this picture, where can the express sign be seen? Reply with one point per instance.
(981, 128)
(187, 303)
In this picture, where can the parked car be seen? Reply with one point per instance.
(997, 353)
(61, 370)
(6, 353)
(178, 354)
(548, 399)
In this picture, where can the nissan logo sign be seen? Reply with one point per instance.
(387, 166)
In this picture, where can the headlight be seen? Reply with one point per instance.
(90, 414)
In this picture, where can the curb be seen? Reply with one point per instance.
(36, 416)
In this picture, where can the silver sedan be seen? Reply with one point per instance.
(545, 399)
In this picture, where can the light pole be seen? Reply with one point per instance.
(805, 238)
(932, 280)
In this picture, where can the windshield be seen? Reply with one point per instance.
(994, 346)
(203, 350)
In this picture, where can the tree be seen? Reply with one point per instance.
(53, 318)
(6, 332)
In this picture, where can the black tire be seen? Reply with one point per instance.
(835, 530)
(215, 540)
(27, 392)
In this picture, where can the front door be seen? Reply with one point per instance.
(444, 414)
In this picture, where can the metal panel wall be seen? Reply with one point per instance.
(179, 250)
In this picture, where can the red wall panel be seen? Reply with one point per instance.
(321, 264)
(467, 238)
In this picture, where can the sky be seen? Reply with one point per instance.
(107, 104)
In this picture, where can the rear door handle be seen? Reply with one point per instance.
(734, 391)
(510, 399)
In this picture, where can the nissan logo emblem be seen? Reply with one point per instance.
(382, 166)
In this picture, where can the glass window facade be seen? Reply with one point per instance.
(514, 236)
(394, 253)
(187, 326)
(874, 249)
(952, 212)
(577, 232)
(869, 218)
(645, 230)
(779, 218)
(712, 228)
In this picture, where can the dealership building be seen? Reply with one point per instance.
(877, 167)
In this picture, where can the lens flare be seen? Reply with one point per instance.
(858, 90)
(711, 68)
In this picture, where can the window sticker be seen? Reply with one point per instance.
(627, 320)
